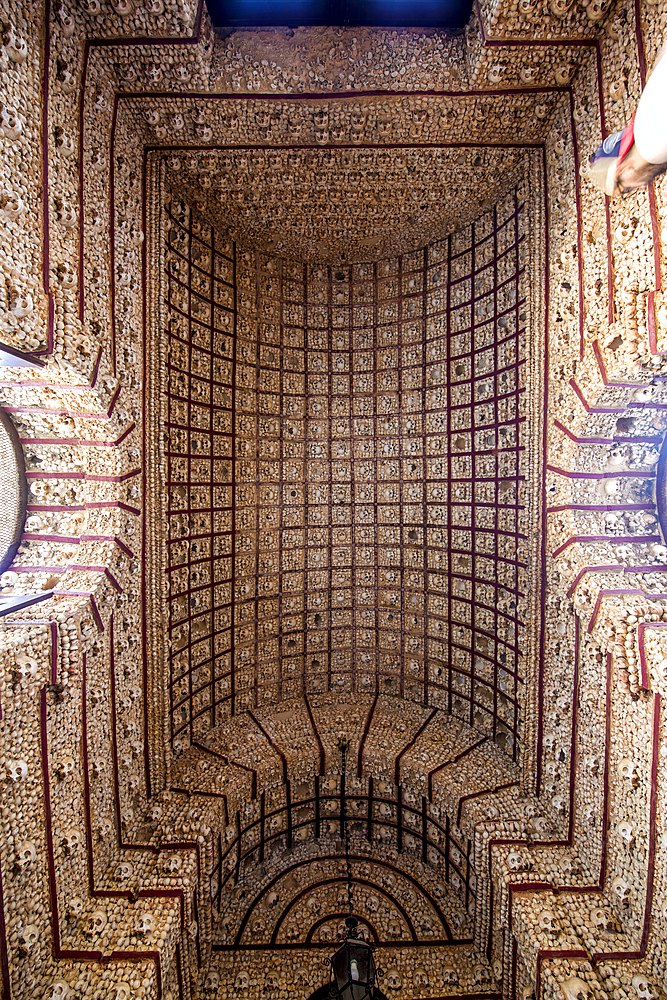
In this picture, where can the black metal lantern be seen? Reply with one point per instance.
(353, 966)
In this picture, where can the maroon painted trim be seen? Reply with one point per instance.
(621, 474)
(79, 442)
(271, 743)
(408, 746)
(641, 628)
(59, 951)
(453, 760)
(341, 879)
(598, 601)
(611, 539)
(362, 741)
(317, 734)
(477, 795)
(232, 763)
(362, 859)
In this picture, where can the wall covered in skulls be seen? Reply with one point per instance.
(350, 426)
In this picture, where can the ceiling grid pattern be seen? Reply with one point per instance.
(345, 478)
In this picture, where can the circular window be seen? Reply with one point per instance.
(13, 491)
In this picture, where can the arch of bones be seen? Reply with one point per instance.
(350, 426)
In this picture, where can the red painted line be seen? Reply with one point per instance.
(650, 315)
(593, 409)
(600, 507)
(611, 539)
(580, 440)
(83, 476)
(362, 741)
(622, 474)
(84, 506)
(78, 442)
(476, 795)
(316, 733)
(408, 746)
(272, 744)
(598, 602)
(453, 760)
(641, 629)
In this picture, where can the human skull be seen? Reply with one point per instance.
(71, 841)
(372, 903)
(96, 923)
(301, 976)
(26, 855)
(272, 899)
(28, 937)
(64, 768)
(124, 870)
(604, 921)
(420, 978)
(11, 123)
(596, 10)
(59, 990)
(242, 980)
(17, 48)
(450, 977)
(548, 923)
(74, 907)
(145, 925)
(481, 974)
(627, 768)
(574, 989)
(643, 988)
(212, 980)
(625, 832)
(621, 890)
(393, 980)
(16, 770)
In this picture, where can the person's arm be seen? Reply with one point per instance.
(651, 117)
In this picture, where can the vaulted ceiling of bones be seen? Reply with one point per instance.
(344, 424)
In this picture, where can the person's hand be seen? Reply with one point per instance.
(634, 173)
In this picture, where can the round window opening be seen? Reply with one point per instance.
(13, 491)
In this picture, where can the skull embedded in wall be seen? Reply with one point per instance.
(643, 988)
(621, 890)
(74, 907)
(604, 922)
(420, 979)
(625, 832)
(16, 770)
(517, 863)
(96, 923)
(145, 925)
(393, 981)
(212, 981)
(28, 937)
(548, 923)
(59, 990)
(574, 989)
(71, 841)
(242, 980)
(450, 977)
(482, 975)
(26, 855)
(596, 10)
(627, 768)
(64, 768)
(301, 977)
